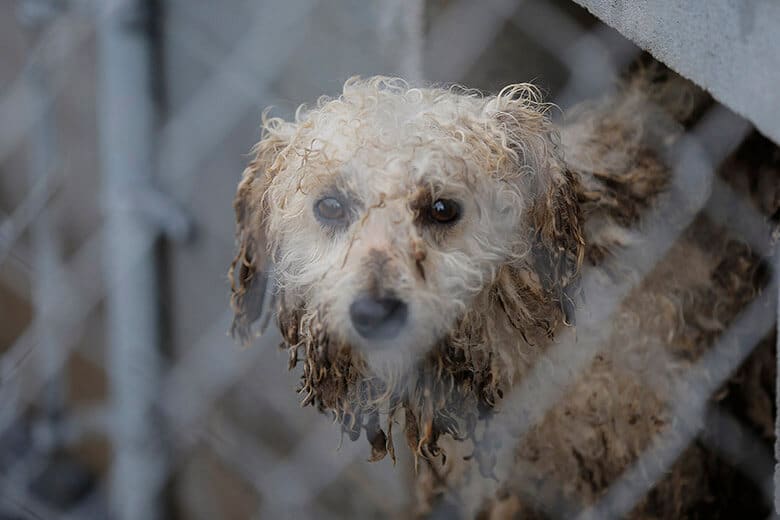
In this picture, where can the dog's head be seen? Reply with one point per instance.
(399, 220)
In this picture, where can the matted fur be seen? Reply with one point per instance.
(487, 295)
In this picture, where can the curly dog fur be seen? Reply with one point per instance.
(488, 294)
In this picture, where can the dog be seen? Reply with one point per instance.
(427, 247)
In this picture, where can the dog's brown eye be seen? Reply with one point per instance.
(444, 211)
(329, 209)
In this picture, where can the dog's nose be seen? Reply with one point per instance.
(377, 318)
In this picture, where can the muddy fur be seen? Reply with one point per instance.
(616, 408)
(491, 293)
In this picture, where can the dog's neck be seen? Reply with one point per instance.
(455, 385)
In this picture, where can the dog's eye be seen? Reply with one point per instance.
(329, 210)
(444, 211)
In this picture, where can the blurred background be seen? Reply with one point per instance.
(124, 128)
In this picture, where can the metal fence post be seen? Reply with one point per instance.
(127, 126)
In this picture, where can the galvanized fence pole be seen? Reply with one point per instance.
(127, 134)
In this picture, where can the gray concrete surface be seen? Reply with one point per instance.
(729, 47)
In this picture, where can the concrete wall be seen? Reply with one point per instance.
(729, 47)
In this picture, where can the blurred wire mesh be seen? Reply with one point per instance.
(124, 127)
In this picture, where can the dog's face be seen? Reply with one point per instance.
(388, 219)
(391, 214)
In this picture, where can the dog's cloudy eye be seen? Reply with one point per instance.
(444, 211)
(329, 209)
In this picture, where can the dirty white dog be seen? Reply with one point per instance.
(425, 246)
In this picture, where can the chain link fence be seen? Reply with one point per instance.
(124, 126)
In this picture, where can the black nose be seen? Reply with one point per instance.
(377, 318)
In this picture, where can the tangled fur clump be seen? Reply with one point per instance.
(488, 294)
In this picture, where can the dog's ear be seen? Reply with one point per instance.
(558, 246)
(249, 269)
(554, 216)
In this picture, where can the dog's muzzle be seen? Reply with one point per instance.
(378, 318)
